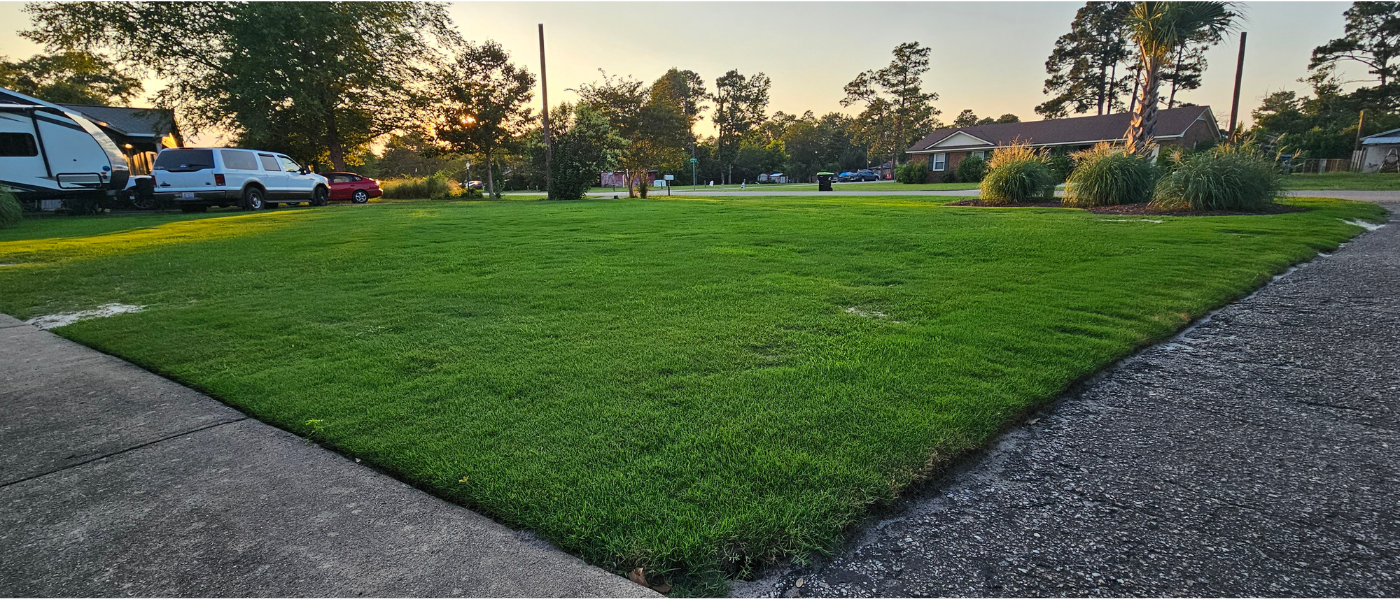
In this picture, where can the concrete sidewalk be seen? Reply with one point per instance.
(117, 482)
(1254, 455)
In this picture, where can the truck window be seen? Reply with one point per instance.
(239, 160)
(269, 163)
(17, 144)
(289, 165)
(184, 160)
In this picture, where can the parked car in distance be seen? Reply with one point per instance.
(358, 189)
(475, 184)
(196, 178)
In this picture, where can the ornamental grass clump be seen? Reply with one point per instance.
(436, 187)
(1234, 177)
(1017, 174)
(10, 211)
(1105, 175)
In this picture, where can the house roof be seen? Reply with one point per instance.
(1055, 132)
(1384, 137)
(131, 122)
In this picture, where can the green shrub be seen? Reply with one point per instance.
(1228, 177)
(972, 169)
(912, 172)
(10, 211)
(1105, 175)
(1061, 165)
(436, 187)
(1017, 173)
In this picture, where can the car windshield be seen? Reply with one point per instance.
(182, 160)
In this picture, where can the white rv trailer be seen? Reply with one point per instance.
(49, 154)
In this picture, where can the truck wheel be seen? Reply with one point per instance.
(319, 197)
(252, 199)
(360, 197)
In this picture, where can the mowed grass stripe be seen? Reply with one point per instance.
(690, 385)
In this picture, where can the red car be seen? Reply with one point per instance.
(352, 187)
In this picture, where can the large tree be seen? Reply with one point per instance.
(1158, 29)
(1371, 37)
(71, 77)
(481, 106)
(894, 96)
(585, 145)
(1083, 66)
(315, 79)
(656, 128)
(741, 104)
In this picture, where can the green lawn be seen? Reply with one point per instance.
(875, 186)
(1343, 181)
(692, 385)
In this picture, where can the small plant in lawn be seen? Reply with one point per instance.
(1229, 177)
(10, 211)
(1016, 174)
(912, 173)
(1105, 175)
(972, 169)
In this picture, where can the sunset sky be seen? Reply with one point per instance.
(988, 56)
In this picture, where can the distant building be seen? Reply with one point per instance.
(1380, 153)
(139, 132)
(943, 149)
(619, 178)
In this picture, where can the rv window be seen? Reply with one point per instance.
(242, 161)
(184, 160)
(269, 163)
(17, 144)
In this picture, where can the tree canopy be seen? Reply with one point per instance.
(313, 79)
(70, 77)
(655, 127)
(1371, 37)
(481, 102)
(897, 109)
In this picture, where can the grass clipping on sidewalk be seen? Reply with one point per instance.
(691, 386)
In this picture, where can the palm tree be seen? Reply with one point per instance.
(1158, 29)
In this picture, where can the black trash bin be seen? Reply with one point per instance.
(824, 181)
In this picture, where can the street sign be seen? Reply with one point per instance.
(694, 160)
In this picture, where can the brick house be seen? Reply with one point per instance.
(943, 149)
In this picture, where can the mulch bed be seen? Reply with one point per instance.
(1143, 208)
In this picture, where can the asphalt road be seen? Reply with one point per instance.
(1254, 455)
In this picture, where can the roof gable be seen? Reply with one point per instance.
(961, 138)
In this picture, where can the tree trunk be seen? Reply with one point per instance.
(1176, 76)
(1137, 81)
(490, 176)
(1103, 75)
(1143, 126)
(1112, 87)
(337, 151)
(642, 187)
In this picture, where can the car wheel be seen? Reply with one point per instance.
(319, 197)
(193, 208)
(252, 199)
(360, 197)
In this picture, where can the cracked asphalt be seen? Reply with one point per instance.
(1254, 455)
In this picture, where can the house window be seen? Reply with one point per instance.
(982, 154)
(938, 162)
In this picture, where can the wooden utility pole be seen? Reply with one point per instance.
(1360, 122)
(548, 147)
(1239, 75)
